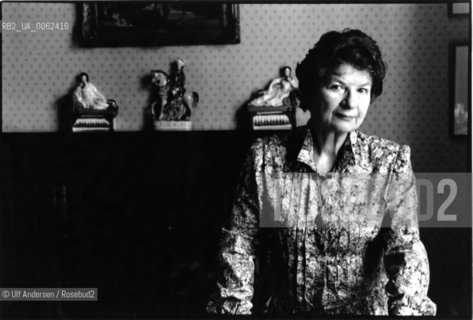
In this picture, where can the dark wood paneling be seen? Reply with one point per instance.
(138, 215)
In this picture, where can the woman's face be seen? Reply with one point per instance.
(341, 102)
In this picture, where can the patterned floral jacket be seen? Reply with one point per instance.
(343, 243)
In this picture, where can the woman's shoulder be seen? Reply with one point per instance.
(270, 148)
(375, 141)
(270, 142)
(385, 152)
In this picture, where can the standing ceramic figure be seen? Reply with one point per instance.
(180, 103)
(174, 104)
(178, 79)
(161, 80)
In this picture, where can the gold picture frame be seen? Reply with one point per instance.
(119, 24)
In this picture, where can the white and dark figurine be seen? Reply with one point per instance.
(278, 91)
(178, 79)
(87, 96)
(161, 80)
(174, 103)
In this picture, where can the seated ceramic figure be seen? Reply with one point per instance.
(87, 96)
(278, 90)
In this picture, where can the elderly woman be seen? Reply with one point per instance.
(324, 220)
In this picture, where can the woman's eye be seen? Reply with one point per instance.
(335, 87)
(363, 90)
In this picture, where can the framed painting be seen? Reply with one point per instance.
(460, 102)
(122, 24)
(459, 8)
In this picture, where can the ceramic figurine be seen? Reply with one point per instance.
(175, 104)
(278, 91)
(178, 78)
(161, 80)
(87, 96)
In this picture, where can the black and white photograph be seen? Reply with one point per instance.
(207, 159)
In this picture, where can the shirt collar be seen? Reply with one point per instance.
(303, 150)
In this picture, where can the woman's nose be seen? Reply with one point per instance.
(349, 100)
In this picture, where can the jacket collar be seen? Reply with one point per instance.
(301, 150)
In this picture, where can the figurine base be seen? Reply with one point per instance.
(173, 125)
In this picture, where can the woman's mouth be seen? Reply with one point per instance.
(345, 116)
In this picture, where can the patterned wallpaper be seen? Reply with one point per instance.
(39, 68)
